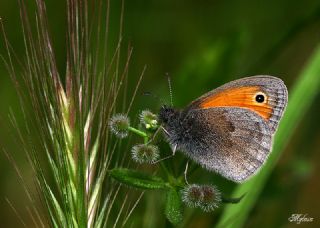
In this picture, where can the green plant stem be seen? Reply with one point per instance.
(138, 132)
(300, 98)
(166, 171)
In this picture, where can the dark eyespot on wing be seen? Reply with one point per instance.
(273, 87)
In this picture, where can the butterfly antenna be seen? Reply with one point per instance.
(170, 89)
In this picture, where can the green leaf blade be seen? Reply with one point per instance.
(137, 179)
(173, 209)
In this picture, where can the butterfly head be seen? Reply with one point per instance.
(168, 114)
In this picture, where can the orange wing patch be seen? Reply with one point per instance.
(243, 97)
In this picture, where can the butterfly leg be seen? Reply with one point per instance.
(154, 135)
(185, 173)
(165, 158)
(165, 131)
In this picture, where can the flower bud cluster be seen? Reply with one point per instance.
(206, 197)
(149, 120)
(119, 125)
(145, 153)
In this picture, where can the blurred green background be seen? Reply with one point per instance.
(201, 44)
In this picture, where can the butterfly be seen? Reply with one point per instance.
(229, 130)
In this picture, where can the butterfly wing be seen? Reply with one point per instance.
(242, 93)
(233, 142)
(230, 129)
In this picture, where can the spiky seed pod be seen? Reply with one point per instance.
(145, 153)
(192, 195)
(119, 124)
(211, 198)
(148, 119)
(206, 197)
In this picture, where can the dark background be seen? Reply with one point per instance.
(201, 44)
